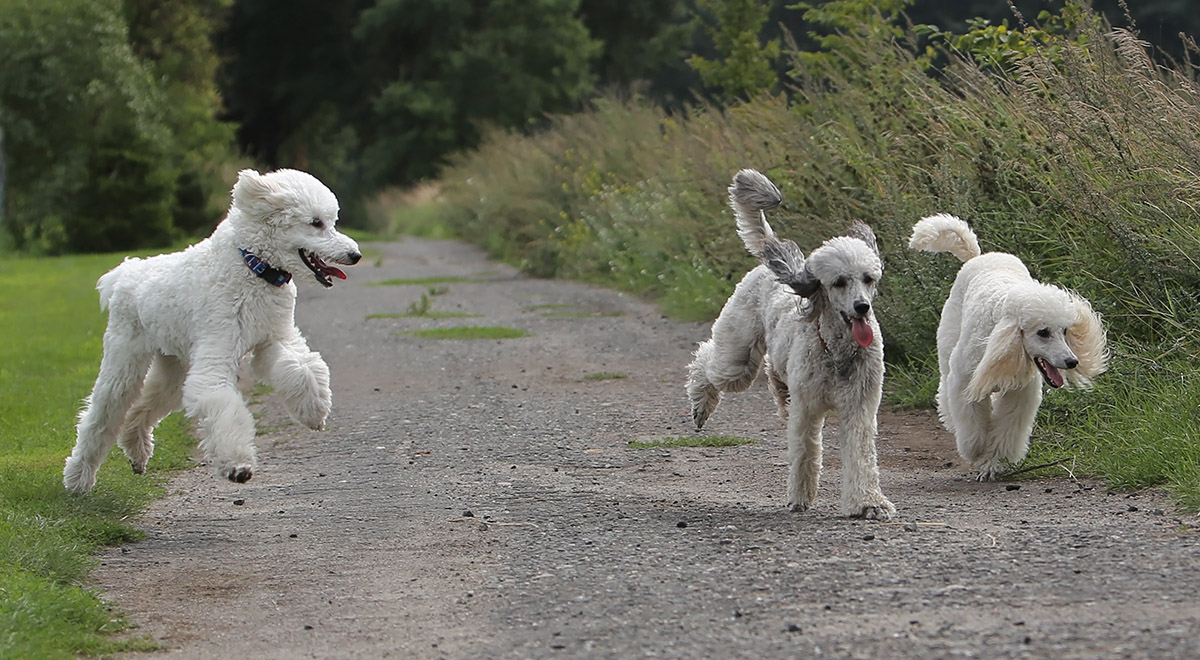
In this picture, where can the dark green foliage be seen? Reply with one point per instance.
(744, 67)
(445, 67)
(371, 94)
(84, 102)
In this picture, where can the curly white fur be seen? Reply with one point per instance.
(179, 325)
(1002, 333)
(826, 353)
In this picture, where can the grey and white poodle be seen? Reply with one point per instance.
(813, 317)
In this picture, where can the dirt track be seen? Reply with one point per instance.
(478, 499)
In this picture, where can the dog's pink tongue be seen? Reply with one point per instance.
(1056, 378)
(862, 332)
(335, 272)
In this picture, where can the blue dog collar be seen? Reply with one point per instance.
(273, 276)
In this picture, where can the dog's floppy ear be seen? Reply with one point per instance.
(1004, 365)
(804, 283)
(254, 195)
(1086, 338)
(861, 231)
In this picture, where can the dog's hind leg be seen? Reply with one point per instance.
(299, 376)
(729, 362)
(162, 394)
(778, 387)
(804, 454)
(211, 397)
(1013, 414)
(122, 372)
(703, 395)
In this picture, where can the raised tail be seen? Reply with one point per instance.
(750, 195)
(108, 281)
(945, 233)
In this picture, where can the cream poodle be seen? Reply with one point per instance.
(1001, 335)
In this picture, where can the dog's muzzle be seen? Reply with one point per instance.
(323, 271)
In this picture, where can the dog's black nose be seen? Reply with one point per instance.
(862, 307)
(353, 257)
(1071, 363)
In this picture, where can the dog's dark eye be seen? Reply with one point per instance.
(1044, 333)
(839, 283)
(868, 280)
(316, 222)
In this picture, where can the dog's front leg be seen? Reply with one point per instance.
(299, 376)
(211, 397)
(861, 494)
(804, 454)
(1013, 414)
(972, 434)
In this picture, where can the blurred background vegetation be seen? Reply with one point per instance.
(122, 121)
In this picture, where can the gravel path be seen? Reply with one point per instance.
(478, 499)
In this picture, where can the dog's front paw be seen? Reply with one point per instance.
(314, 420)
(990, 470)
(313, 411)
(78, 477)
(238, 473)
(869, 506)
(881, 511)
(799, 507)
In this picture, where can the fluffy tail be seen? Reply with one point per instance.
(750, 195)
(945, 233)
(107, 283)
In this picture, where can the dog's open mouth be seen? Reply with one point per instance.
(863, 335)
(1050, 373)
(321, 270)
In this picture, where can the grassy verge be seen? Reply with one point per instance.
(50, 343)
(1076, 152)
(693, 441)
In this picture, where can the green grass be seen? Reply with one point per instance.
(694, 441)
(50, 344)
(606, 375)
(470, 332)
(423, 309)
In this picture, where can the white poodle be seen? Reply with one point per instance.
(814, 319)
(179, 325)
(1000, 329)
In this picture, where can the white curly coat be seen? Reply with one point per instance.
(180, 324)
(814, 319)
(1002, 333)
